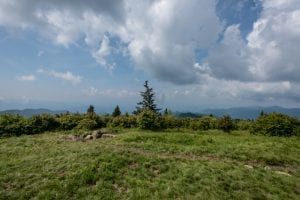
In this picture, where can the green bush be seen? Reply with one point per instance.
(107, 120)
(243, 124)
(226, 124)
(15, 125)
(203, 123)
(124, 122)
(12, 125)
(275, 124)
(69, 121)
(40, 123)
(87, 124)
(170, 122)
(148, 119)
(98, 119)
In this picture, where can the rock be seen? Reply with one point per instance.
(282, 173)
(88, 137)
(96, 134)
(108, 135)
(248, 166)
(267, 168)
(72, 137)
(82, 137)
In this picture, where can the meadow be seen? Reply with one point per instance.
(136, 164)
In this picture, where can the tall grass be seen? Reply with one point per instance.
(150, 165)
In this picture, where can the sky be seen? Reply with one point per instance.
(196, 54)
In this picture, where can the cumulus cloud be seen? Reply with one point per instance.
(270, 51)
(160, 36)
(229, 59)
(66, 76)
(24, 13)
(274, 41)
(28, 78)
(101, 54)
(163, 36)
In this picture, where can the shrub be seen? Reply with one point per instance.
(226, 124)
(40, 123)
(275, 124)
(185, 122)
(98, 119)
(124, 122)
(203, 123)
(148, 119)
(12, 125)
(87, 124)
(15, 125)
(107, 119)
(69, 121)
(244, 124)
(170, 121)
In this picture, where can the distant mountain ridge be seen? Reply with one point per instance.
(251, 112)
(235, 112)
(31, 112)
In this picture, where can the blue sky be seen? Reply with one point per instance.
(65, 54)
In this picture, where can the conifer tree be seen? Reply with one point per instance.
(147, 102)
(91, 110)
(116, 112)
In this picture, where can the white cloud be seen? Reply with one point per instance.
(61, 26)
(229, 59)
(66, 76)
(274, 42)
(162, 36)
(214, 91)
(270, 52)
(28, 78)
(111, 93)
(91, 91)
(101, 54)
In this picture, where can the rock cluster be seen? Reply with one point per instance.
(90, 136)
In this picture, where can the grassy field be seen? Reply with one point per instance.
(151, 165)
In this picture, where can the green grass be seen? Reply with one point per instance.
(150, 165)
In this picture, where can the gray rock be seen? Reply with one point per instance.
(248, 166)
(73, 137)
(282, 173)
(108, 135)
(96, 134)
(88, 137)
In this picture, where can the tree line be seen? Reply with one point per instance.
(147, 116)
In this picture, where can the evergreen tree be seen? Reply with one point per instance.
(147, 100)
(116, 112)
(166, 112)
(90, 110)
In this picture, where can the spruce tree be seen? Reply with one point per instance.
(90, 110)
(116, 112)
(147, 102)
